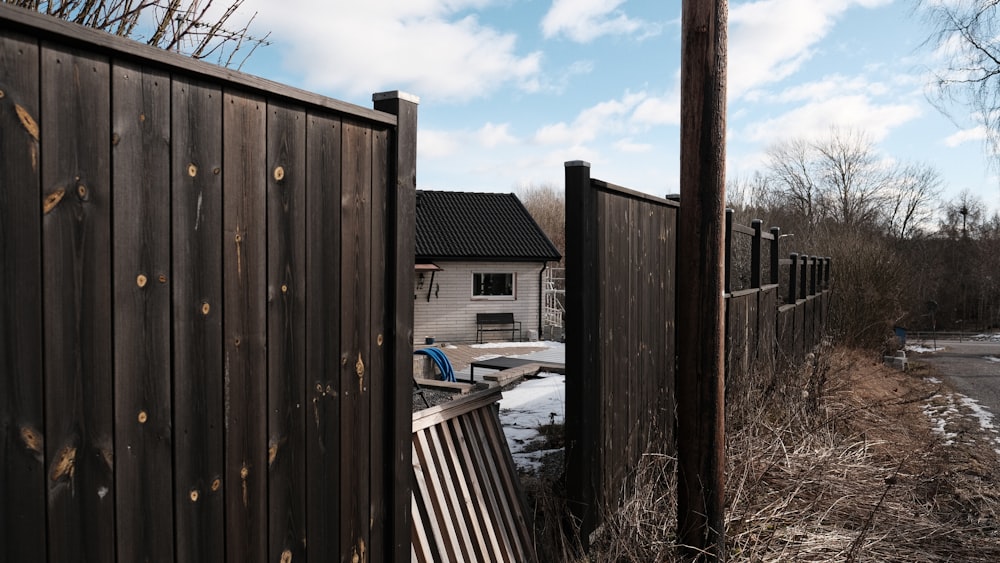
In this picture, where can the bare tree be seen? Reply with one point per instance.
(547, 205)
(965, 33)
(196, 28)
(853, 180)
(792, 171)
(843, 180)
(910, 200)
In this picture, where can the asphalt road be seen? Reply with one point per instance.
(966, 367)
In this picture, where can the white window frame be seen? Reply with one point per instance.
(513, 286)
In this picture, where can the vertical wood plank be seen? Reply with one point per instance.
(76, 234)
(381, 381)
(668, 280)
(244, 275)
(142, 277)
(196, 208)
(323, 338)
(355, 302)
(22, 464)
(286, 223)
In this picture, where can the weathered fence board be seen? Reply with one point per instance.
(142, 280)
(355, 330)
(217, 271)
(244, 257)
(286, 328)
(196, 204)
(76, 250)
(323, 328)
(22, 469)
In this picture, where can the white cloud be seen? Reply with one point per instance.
(769, 40)
(850, 112)
(610, 117)
(434, 143)
(492, 135)
(585, 20)
(435, 49)
(628, 145)
(977, 133)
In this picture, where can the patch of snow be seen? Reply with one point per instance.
(982, 413)
(920, 349)
(991, 358)
(933, 380)
(538, 344)
(524, 408)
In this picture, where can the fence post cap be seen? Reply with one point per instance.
(571, 163)
(394, 94)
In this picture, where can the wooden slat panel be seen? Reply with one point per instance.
(434, 493)
(495, 508)
(22, 467)
(355, 349)
(286, 373)
(323, 229)
(471, 470)
(518, 531)
(244, 278)
(467, 502)
(196, 155)
(76, 234)
(142, 278)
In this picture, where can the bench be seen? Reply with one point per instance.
(496, 322)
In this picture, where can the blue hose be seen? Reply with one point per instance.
(447, 373)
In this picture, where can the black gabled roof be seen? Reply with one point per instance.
(478, 226)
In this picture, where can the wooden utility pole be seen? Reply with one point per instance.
(700, 306)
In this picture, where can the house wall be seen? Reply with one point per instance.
(450, 313)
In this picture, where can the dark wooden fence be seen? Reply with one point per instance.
(620, 346)
(205, 311)
(620, 278)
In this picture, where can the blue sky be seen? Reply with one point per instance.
(511, 89)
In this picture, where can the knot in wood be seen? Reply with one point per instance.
(140, 280)
(279, 173)
(194, 495)
(142, 417)
(216, 484)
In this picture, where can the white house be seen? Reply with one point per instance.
(477, 253)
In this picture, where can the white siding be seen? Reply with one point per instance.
(450, 315)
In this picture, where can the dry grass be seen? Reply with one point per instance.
(858, 477)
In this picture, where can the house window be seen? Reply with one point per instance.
(493, 286)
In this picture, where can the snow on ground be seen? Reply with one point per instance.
(991, 358)
(533, 403)
(538, 344)
(943, 410)
(921, 349)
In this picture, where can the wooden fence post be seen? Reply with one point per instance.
(755, 257)
(802, 276)
(727, 271)
(793, 286)
(402, 215)
(775, 265)
(583, 392)
(813, 270)
(700, 308)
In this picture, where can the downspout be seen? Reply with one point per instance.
(541, 297)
